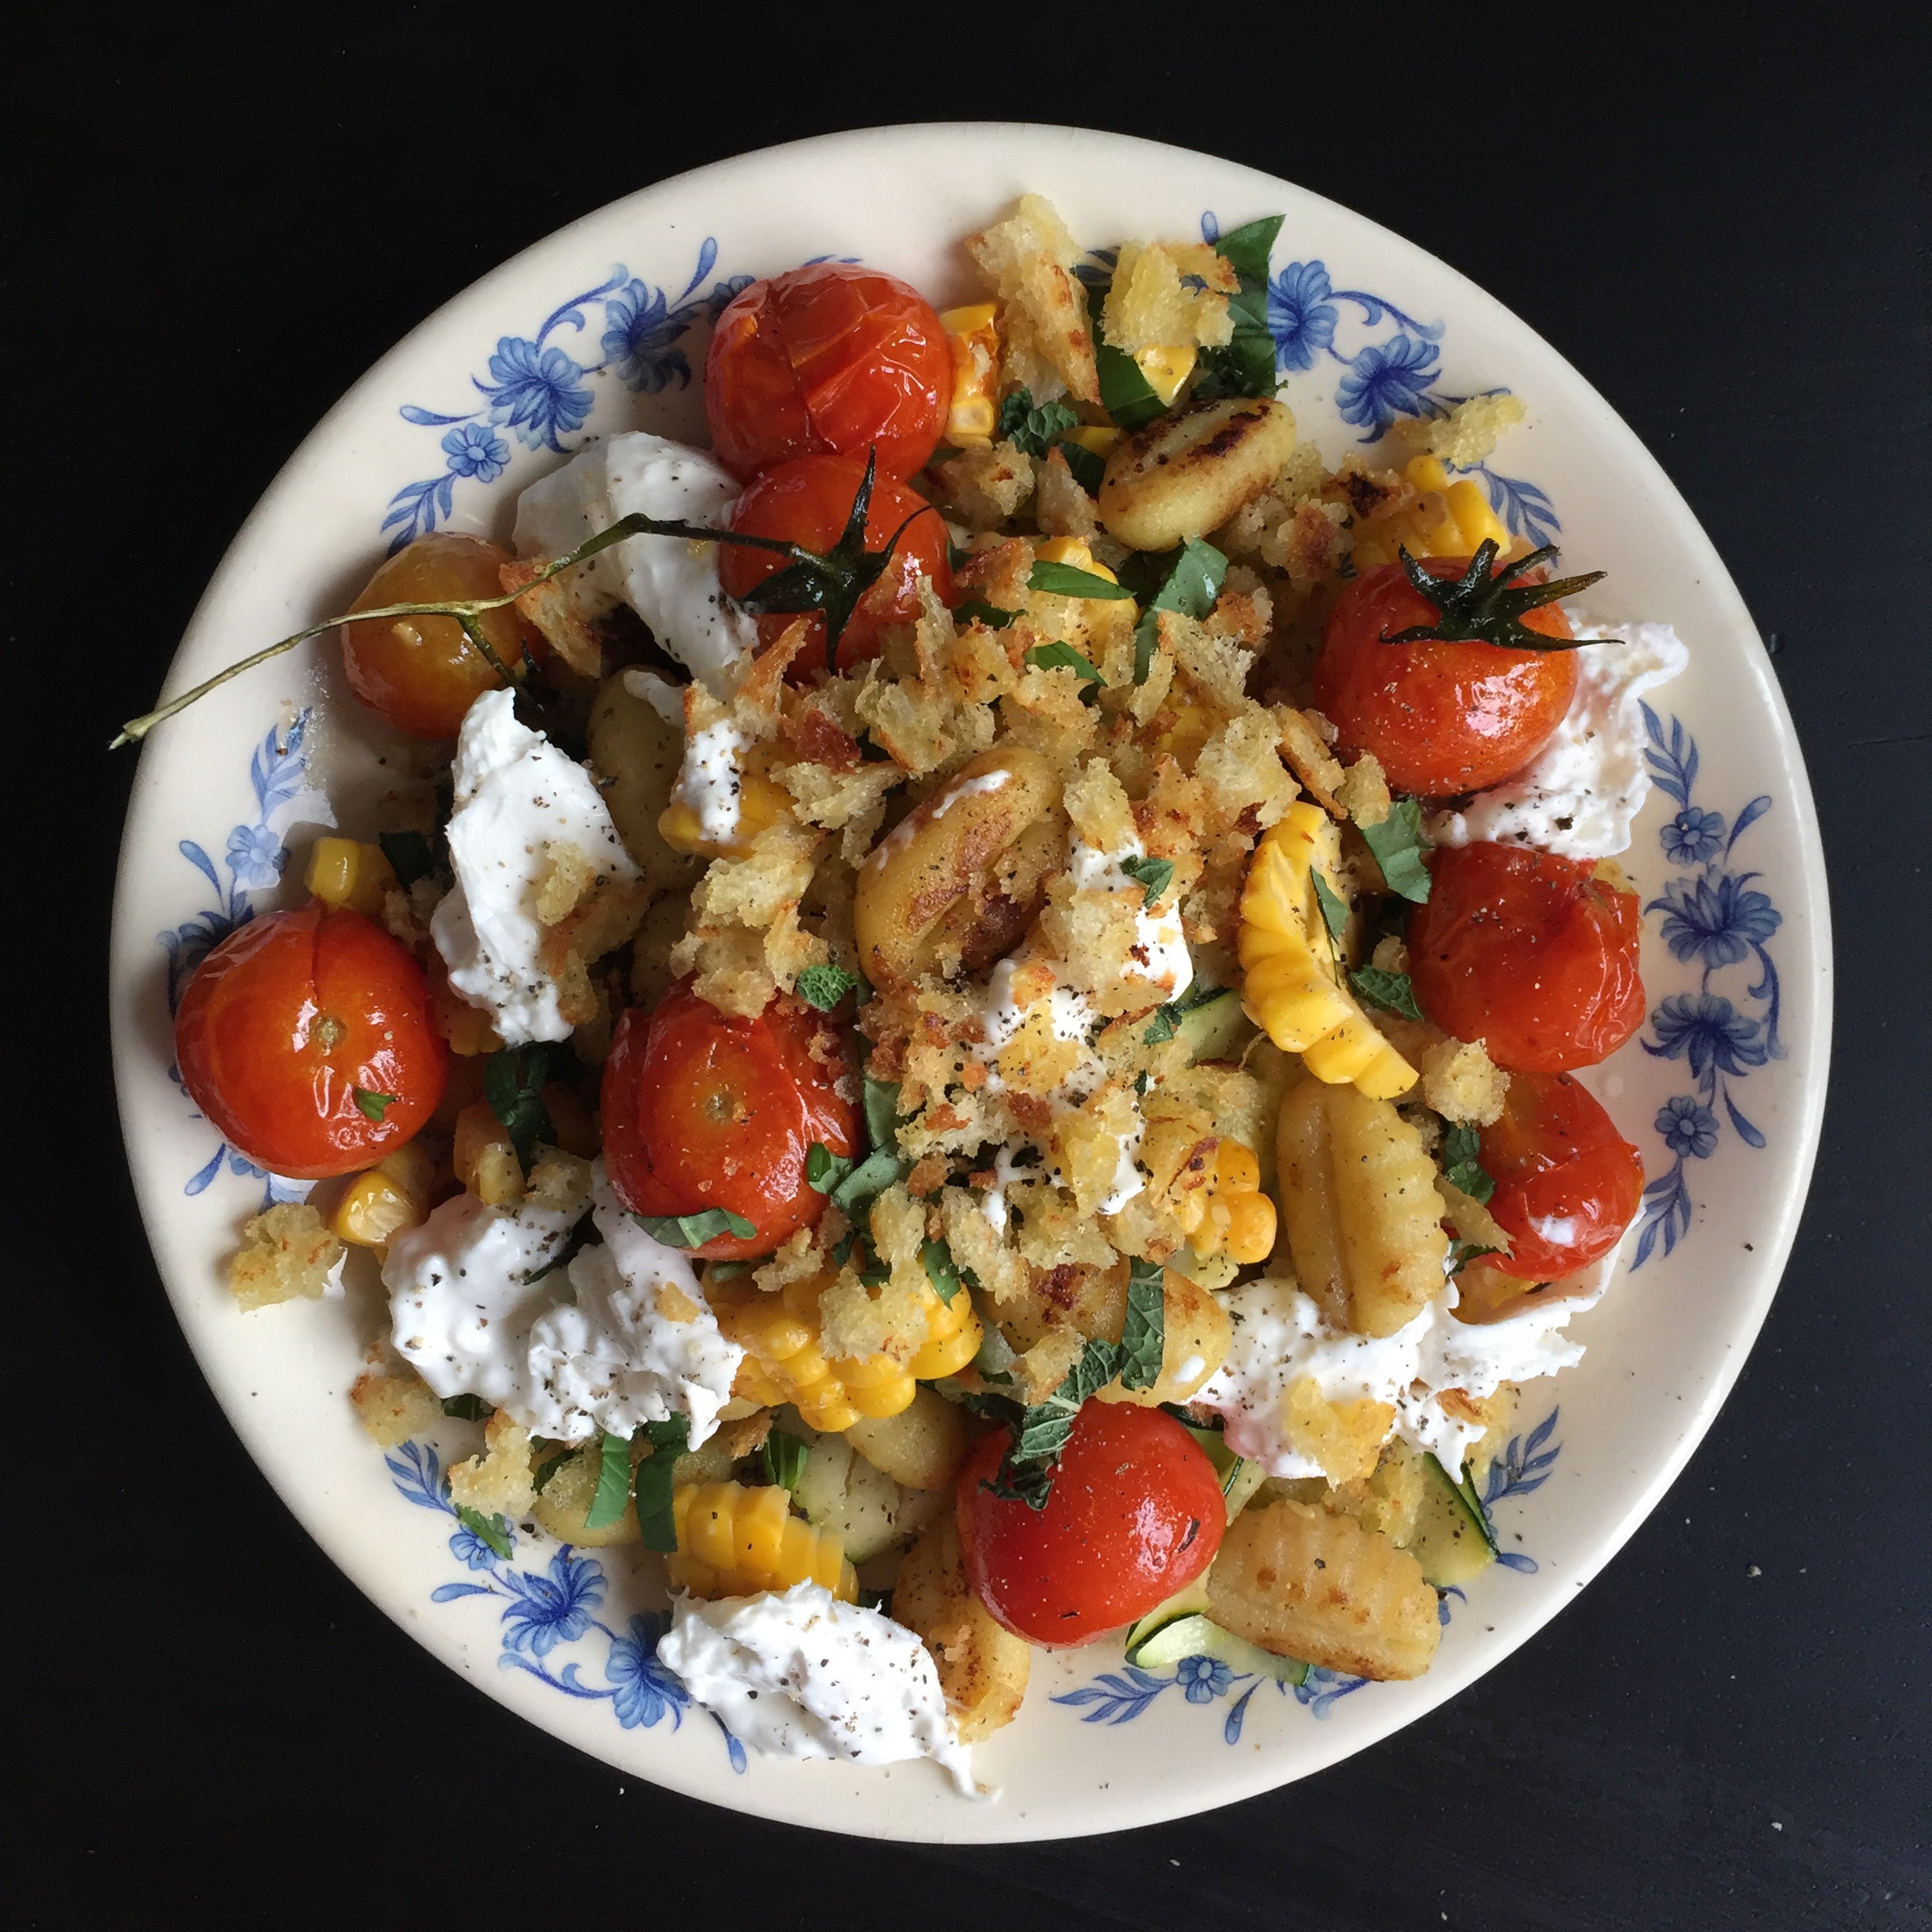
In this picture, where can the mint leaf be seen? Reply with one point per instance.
(614, 1482)
(991, 615)
(1088, 466)
(1166, 1021)
(1125, 393)
(514, 1078)
(1187, 579)
(669, 1440)
(824, 986)
(1062, 657)
(492, 1530)
(873, 1175)
(410, 855)
(1334, 911)
(1391, 991)
(1067, 580)
(783, 1456)
(1034, 430)
(467, 1408)
(1040, 1436)
(1155, 874)
(882, 1113)
(693, 1230)
(370, 1104)
(1397, 844)
(823, 1169)
(1143, 1335)
(1462, 1163)
(940, 1269)
(1246, 249)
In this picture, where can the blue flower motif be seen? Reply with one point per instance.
(474, 451)
(1385, 380)
(471, 1551)
(1688, 1127)
(1300, 317)
(1717, 921)
(642, 327)
(646, 1690)
(1708, 1031)
(1203, 1679)
(535, 392)
(256, 856)
(1692, 836)
(553, 1610)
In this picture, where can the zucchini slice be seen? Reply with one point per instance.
(1182, 1604)
(1216, 1029)
(1452, 1540)
(1196, 1636)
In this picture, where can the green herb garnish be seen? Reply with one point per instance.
(491, 1530)
(991, 615)
(940, 1269)
(1391, 991)
(1034, 430)
(693, 1230)
(651, 1486)
(783, 1456)
(514, 1078)
(1062, 656)
(1153, 874)
(1245, 365)
(1397, 844)
(1187, 580)
(370, 1104)
(540, 1479)
(410, 855)
(1040, 1436)
(467, 1408)
(1462, 1163)
(614, 1482)
(1477, 608)
(1143, 1335)
(1334, 909)
(824, 986)
(1068, 580)
(823, 1169)
(1166, 1021)
(1088, 466)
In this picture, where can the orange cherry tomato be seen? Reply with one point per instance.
(808, 501)
(1568, 1184)
(422, 673)
(704, 1110)
(1529, 953)
(1441, 718)
(830, 358)
(1135, 1514)
(306, 1037)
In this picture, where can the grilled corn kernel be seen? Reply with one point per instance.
(953, 1335)
(974, 336)
(1070, 550)
(1101, 438)
(784, 1363)
(734, 1541)
(486, 1157)
(1166, 365)
(350, 876)
(761, 803)
(392, 1196)
(1231, 1215)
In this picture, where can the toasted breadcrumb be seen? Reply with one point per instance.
(288, 1253)
(1305, 746)
(498, 1482)
(1468, 434)
(1150, 305)
(1028, 261)
(1462, 1083)
(1363, 792)
(394, 1405)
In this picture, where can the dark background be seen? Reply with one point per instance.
(215, 232)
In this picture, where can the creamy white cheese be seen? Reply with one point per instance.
(1279, 1337)
(623, 1337)
(663, 697)
(708, 781)
(1579, 795)
(1159, 951)
(670, 582)
(516, 795)
(798, 1675)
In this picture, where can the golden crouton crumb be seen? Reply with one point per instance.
(1363, 792)
(1048, 1363)
(1496, 1411)
(394, 1406)
(498, 1482)
(1343, 1439)
(983, 487)
(1468, 434)
(1462, 1083)
(1060, 507)
(793, 1262)
(549, 606)
(1027, 261)
(1305, 746)
(559, 1181)
(288, 1253)
(1149, 305)
(567, 875)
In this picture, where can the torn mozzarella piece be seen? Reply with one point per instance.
(671, 583)
(708, 781)
(798, 1675)
(1579, 795)
(517, 796)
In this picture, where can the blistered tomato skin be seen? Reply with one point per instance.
(704, 1110)
(1136, 1514)
(292, 1015)
(808, 501)
(1568, 1184)
(1529, 953)
(1441, 718)
(829, 358)
(422, 673)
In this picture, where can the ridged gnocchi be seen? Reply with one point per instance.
(1190, 471)
(983, 1667)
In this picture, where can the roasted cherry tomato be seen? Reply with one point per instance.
(1530, 953)
(703, 1110)
(306, 1037)
(422, 673)
(1135, 1514)
(827, 358)
(1441, 718)
(807, 502)
(1568, 1184)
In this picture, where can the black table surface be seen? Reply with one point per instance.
(221, 219)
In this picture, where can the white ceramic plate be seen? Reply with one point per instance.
(598, 329)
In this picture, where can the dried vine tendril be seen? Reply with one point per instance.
(1479, 609)
(831, 583)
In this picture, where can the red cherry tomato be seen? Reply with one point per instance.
(1136, 1514)
(1529, 953)
(1442, 718)
(807, 502)
(1568, 1184)
(830, 358)
(703, 1110)
(290, 1019)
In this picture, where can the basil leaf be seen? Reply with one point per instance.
(1462, 1253)
(614, 1482)
(1060, 656)
(873, 1175)
(1143, 1335)
(1391, 991)
(410, 855)
(1088, 466)
(944, 453)
(513, 1082)
(370, 1104)
(1125, 393)
(1334, 911)
(492, 1530)
(1246, 249)
(467, 1408)
(1462, 1163)
(1187, 579)
(1025, 1474)
(651, 1486)
(1067, 580)
(1245, 366)
(1155, 874)
(1034, 430)
(882, 1113)
(940, 1269)
(991, 615)
(540, 1479)
(1397, 844)
(823, 1169)
(783, 1456)
(693, 1230)
(1166, 1021)
(824, 986)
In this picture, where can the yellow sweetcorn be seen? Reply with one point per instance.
(733, 1540)
(761, 803)
(1166, 365)
(1291, 988)
(974, 336)
(784, 1363)
(381, 1202)
(485, 1157)
(953, 1334)
(1074, 552)
(349, 875)
(1103, 438)
(1450, 519)
(1230, 1214)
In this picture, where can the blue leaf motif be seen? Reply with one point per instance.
(1514, 1559)
(1230, 1731)
(428, 419)
(417, 1471)
(1672, 764)
(1747, 818)
(1526, 509)
(1117, 1698)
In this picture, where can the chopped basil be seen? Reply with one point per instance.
(1391, 991)
(410, 854)
(873, 1175)
(1334, 909)
(1125, 393)
(991, 615)
(467, 1408)
(1244, 366)
(1154, 874)
(1067, 580)
(1143, 1335)
(370, 1104)
(693, 1230)
(824, 986)
(783, 1456)
(1034, 430)
(1461, 1164)
(1462, 1253)
(1397, 844)
(492, 1530)
(1188, 581)
(940, 1269)
(1060, 656)
(823, 1169)
(1041, 1434)
(1088, 466)
(514, 1078)
(614, 1482)
(882, 1113)
(669, 1440)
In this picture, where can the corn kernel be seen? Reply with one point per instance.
(350, 876)
(735, 1540)
(1251, 1227)
(974, 334)
(1103, 438)
(784, 1363)
(1166, 366)
(760, 804)
(486, 1157)
(1236, 1169)
(1071, 551)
